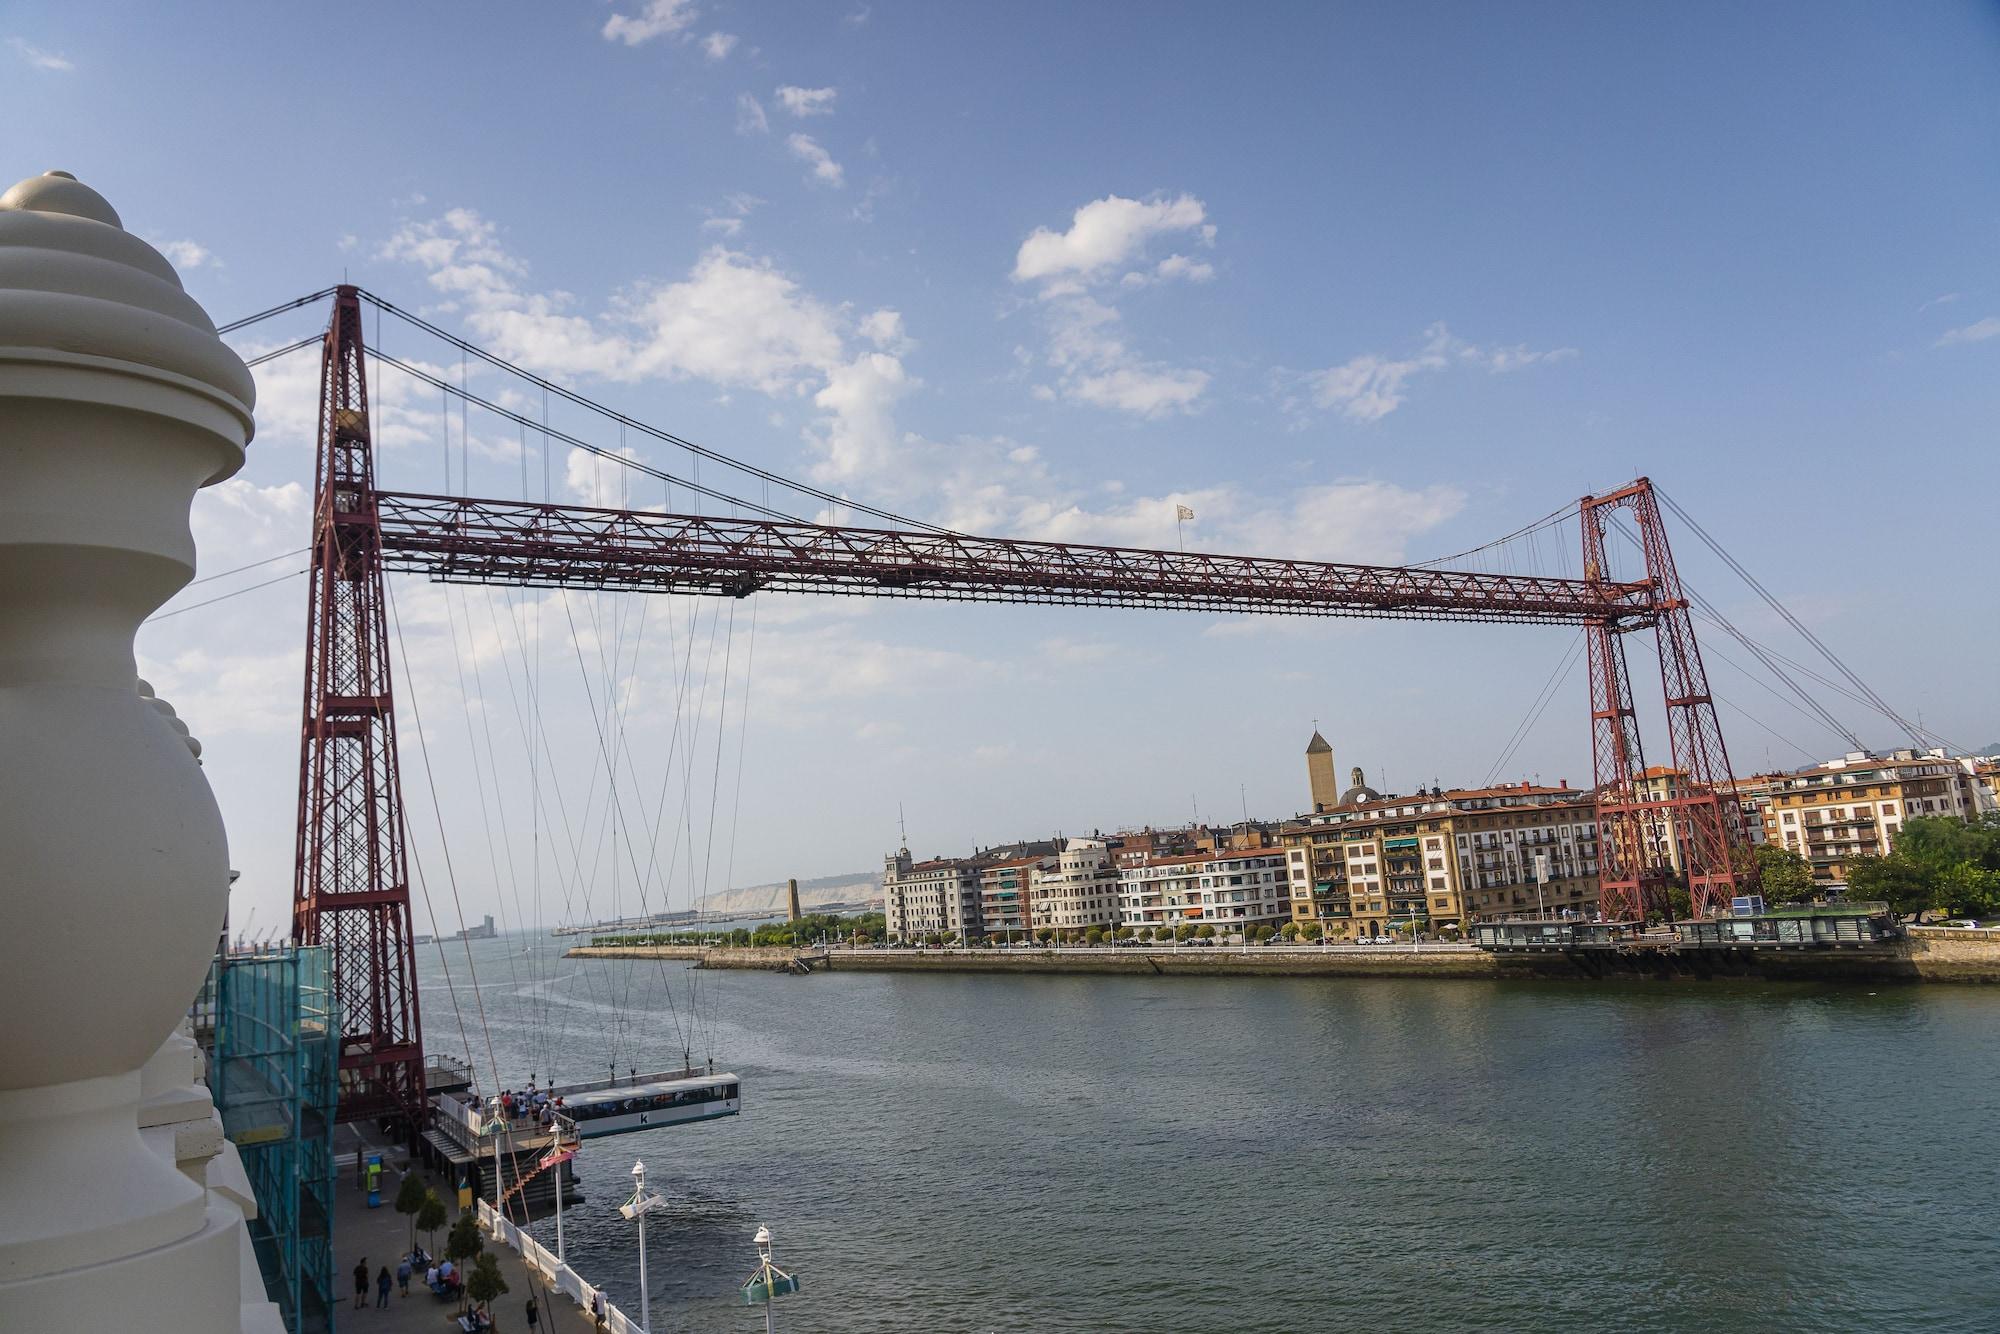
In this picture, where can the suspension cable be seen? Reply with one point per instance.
(1915, 732)
(610, 455)
(665, 437)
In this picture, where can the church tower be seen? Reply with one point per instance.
(1319, 773)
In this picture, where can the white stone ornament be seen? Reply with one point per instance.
(117, 402)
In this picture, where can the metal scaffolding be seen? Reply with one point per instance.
(273, 1074)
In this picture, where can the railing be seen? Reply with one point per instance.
(559, 1276)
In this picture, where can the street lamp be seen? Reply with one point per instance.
(638, 1207)
(769, 1282)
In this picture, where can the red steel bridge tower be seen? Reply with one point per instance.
(1692, 805)
(352, 890)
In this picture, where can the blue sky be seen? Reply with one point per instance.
(1371, 283)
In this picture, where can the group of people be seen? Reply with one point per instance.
(534, 1104)
(406, 1268)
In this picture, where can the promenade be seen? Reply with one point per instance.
(382, 1237)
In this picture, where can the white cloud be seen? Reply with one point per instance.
(735, 321)
(718, 45)
(1106, 232)
(187, 254)
(1095, 366)
(1369, 387)
(750, 117)
(43, 60)
(657, 18)
(1180, 266)
(824, 168)
(857, 436)
(1143, 391)
(1977, 332)
(1092, 361)
(884, 328)
(807, 101)
(722, 226)
(855, 18)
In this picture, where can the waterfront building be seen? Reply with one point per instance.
(936, 897)
(1079, 891)
(1441, 858)
(1660, 830)
(1134, 847)
(1006, 895)
(1242, 889)
(1233, 890)
(1852, 807)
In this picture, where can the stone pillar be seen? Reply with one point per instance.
(792, 900)
(117, 401)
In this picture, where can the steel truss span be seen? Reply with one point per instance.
(569, 546)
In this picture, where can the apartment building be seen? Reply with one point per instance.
(1232, 889)
(1006, 895)
(939, 896)
(1442, 858)
(1852, 807)
(1079, 891)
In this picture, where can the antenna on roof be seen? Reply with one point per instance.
(902, 830)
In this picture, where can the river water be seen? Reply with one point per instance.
(1181, 1154)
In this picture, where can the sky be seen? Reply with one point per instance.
(1372, 283)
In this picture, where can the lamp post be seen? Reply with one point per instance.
(764, 1259)
(638, 1207)
(768, 1283)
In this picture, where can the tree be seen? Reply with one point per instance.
(410, 1197)
(1905, 885)
(465, 1240)
(1312, 930)
(1205, 931)
(1186, 932)
(1266, 931)
(486, 1281)
(1290, 931)
(1968, 890)
(1123, 933)
(430, 1217)
(1045, 934)
(1783, 876)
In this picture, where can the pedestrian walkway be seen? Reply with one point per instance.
(382, 1237)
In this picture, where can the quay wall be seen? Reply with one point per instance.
(1927, 954)
(1947, 954)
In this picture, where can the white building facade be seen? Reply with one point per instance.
(1080, 891)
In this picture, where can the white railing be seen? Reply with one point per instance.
(559, 1276)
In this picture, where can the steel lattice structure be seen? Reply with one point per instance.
(1692, 805)
(353, 890)
(539, 545)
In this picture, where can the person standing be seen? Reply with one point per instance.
(534, 1316)
(361, 1283)
(403, 1272)
(382, 1285)
(597, 1309)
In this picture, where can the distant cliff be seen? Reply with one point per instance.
(849, 888)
